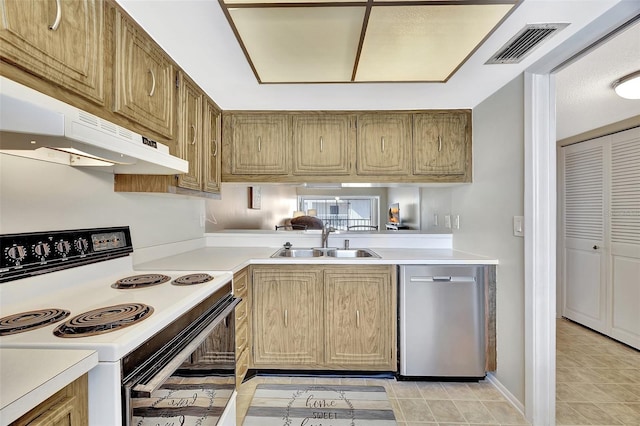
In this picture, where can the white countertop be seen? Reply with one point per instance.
(234, 259)
(30, 376)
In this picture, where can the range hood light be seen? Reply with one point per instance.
(628, 87)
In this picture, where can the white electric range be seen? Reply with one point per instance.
(52, 273)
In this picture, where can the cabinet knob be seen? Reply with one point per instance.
(595, 247)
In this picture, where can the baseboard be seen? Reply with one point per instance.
(505, 392)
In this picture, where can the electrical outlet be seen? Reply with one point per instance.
(435, 219)
(203, 220)
(456, 221)
(447, 221)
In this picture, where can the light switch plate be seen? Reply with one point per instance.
(518, 226)
(447, 221)
(255, 197)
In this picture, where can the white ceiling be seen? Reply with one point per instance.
(198, 37)
(584, 96)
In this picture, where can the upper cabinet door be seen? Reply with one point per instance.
(322, 144)
(384, 143)
(211, 146)
(59, 41)
(440, 142)
(190, 133)
(260, 144)
(144, 79)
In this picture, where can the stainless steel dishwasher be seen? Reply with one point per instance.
(442, 328)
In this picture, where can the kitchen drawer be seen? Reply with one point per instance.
(241, 313)
(242, 337)
(242, 365)
(241, 284)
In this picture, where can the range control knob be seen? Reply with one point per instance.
(82, 245)
(42, 250)
(63, 247)
(15, 254)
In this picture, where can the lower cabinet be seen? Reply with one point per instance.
(240, 290)
(287, 324)
(67, 407)
(327, 317)
(357, 318)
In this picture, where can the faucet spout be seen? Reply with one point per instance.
(326, 230)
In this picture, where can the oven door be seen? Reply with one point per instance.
(191, 379)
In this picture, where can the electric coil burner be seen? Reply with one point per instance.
(103, 320)
(25, 321)
(192, 279)
(139, 281)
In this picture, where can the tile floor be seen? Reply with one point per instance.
(597, 378)
(598, 383)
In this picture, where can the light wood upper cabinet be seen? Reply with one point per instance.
(359, 326)
(59, 41)
(198, 143)
(190, 132)
(211, 146)
(322, 144)
(441, 143)
(359, 146)
(287, 317)
(384, 144)
(258, 144)
(144, 79)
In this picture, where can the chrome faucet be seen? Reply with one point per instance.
(326, 230)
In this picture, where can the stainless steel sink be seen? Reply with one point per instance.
(298, 252)
(351, 253)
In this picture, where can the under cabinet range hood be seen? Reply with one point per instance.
(37, 126)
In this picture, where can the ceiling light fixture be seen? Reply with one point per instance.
(628, 87)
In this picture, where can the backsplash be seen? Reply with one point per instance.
(41, 196)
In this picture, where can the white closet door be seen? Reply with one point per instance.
(625, 237)
(585, 299)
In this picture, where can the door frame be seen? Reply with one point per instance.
(540, 209)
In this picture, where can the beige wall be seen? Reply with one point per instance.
(41, 196)
(488, 206)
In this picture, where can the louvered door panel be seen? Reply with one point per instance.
(584, 194)
(584, 234)
(625, 192)
(625, 237)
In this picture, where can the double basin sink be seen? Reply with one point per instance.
(325, 252)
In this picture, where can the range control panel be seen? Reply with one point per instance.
(24, 255)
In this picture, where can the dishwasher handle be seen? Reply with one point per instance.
(442, 279)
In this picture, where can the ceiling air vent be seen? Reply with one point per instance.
(523, 43)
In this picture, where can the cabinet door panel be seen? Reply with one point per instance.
(322, 144)
(287, 308)
(211, 147)
(440, 143)
(384, 142)
(359, 323)
(144, 79)
(260, 144)
(68, 51)
(190, 133)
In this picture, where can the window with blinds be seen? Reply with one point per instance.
(584, 194)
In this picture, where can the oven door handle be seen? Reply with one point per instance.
(145, 390)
